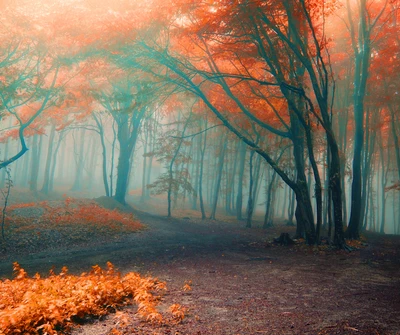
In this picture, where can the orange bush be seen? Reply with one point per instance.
(50, 305)
(23, 205)
(83, 212)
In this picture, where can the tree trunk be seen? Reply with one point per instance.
(80, 159)
(367, 159)
(384, 172)
(124, 164)
(92, 163)
(267, 217)
(60, 170)
(219, 176)
(203, 150)
(103, 154)
(304, 213)
(239, 197)
(250, 199)
(4, 171)
(291, 207)
(35, 162)
(54, 160)
(336, 191)
(46, 183)
(196, 174)
(112, 159)
(144, 186)
(362, 58)
(122, 172)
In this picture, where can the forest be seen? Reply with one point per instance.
(243, 154)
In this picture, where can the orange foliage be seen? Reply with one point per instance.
(82, 212)
(178, 312)
(187, 286)
(23, 205)
(43, 305)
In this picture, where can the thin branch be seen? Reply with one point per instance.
(200, 132)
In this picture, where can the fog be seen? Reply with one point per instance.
(176, 115)
(70, 161)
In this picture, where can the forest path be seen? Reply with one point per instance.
(162, 240)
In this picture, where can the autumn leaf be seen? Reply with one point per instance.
(41, 305)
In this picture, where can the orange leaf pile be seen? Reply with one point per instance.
(50, 305)
(178, 312)
(187, 286)
(81, 212)
(23, 205)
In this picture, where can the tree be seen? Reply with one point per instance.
(240, 50)
(175, 180)
(37, 63)
(25, 96)
(127, 98)
(361, 39)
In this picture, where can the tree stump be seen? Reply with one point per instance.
(284, 239)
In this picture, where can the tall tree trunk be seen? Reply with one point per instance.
(367, 159)
(219, 176)
(304, 213)
(196, 174)
(203, 150)
(232, 181)
(170, 170)
(4, 171)
(250, 198)
(112, 159)
(123, 168)
(362, 58)
(35, 163)
(144, 186)
(54, 160)
(25, 166)
(343, 122)
(336, 191)
(46, 183)
(124, 158)
(291, 208)
(239, 197)
(268, 211)
(395, 138)
(92, 163)
(80, 159)
(259, 174)
(285, 199)
(103, 153)
(60, 170)
(384, 172)
(5, 155)
(18, 166)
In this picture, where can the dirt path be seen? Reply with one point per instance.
(162, 240)
(240, 286)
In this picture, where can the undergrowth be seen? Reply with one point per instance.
(79, 212)
(51, 305)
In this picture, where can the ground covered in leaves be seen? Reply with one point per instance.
(232, 280)
(35, 226)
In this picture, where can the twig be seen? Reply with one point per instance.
(200, 132)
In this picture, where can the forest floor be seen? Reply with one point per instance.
(241, 283)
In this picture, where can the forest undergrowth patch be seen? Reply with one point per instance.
(54, 304)
(34, 226)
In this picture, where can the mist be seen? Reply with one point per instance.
(251, 147)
